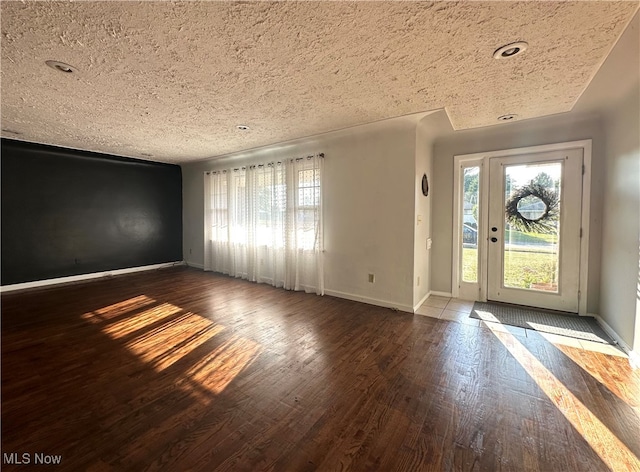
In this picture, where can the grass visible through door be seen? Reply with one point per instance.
(531, 266)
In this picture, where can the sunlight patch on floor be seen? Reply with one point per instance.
(613, 452)
(117, 309)
(215, 371)
(141, 320)
(164, 345)
(625, 388)
(166, 334)
(487, 316)
(609, 349)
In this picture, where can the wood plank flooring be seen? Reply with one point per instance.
(178, 369)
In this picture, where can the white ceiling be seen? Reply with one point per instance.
(170, 81)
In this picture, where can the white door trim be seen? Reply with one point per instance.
(586, 146)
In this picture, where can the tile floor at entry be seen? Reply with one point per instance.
(456, 310)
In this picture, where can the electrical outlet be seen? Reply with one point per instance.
(372, 278)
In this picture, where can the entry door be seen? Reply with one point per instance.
(534, 229)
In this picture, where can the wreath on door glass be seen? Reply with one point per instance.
(546, 222)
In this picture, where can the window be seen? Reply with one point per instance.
(307, 214)
(264, 222)
(219, 209)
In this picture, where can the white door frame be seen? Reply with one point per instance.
(565, 297)
(483, 157)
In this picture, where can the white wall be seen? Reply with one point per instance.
(620, 304)
(425, 134)
(369, 207)
(620, 285)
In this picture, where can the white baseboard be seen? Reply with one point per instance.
(424, 299)
(82, 277)
(441, 294)
(634, 358)
(194, 264)
(370, 301)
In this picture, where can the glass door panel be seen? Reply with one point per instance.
(469, 224)
(532, 226)
(469, 201)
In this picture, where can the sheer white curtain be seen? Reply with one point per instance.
(264, 223)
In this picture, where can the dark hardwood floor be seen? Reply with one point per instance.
(179, 369)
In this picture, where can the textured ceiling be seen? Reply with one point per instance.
(170, 81)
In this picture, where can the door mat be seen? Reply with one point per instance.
(574, 326)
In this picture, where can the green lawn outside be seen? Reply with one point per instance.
(521, 268)
(518, 237)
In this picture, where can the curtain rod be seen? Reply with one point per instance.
(270, 164)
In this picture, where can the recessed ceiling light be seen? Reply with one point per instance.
(243, 127)
(61, 66)
(509, 117)
(510, 50)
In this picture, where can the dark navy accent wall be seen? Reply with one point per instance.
(67, 212)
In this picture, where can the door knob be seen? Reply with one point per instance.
(493, 240)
